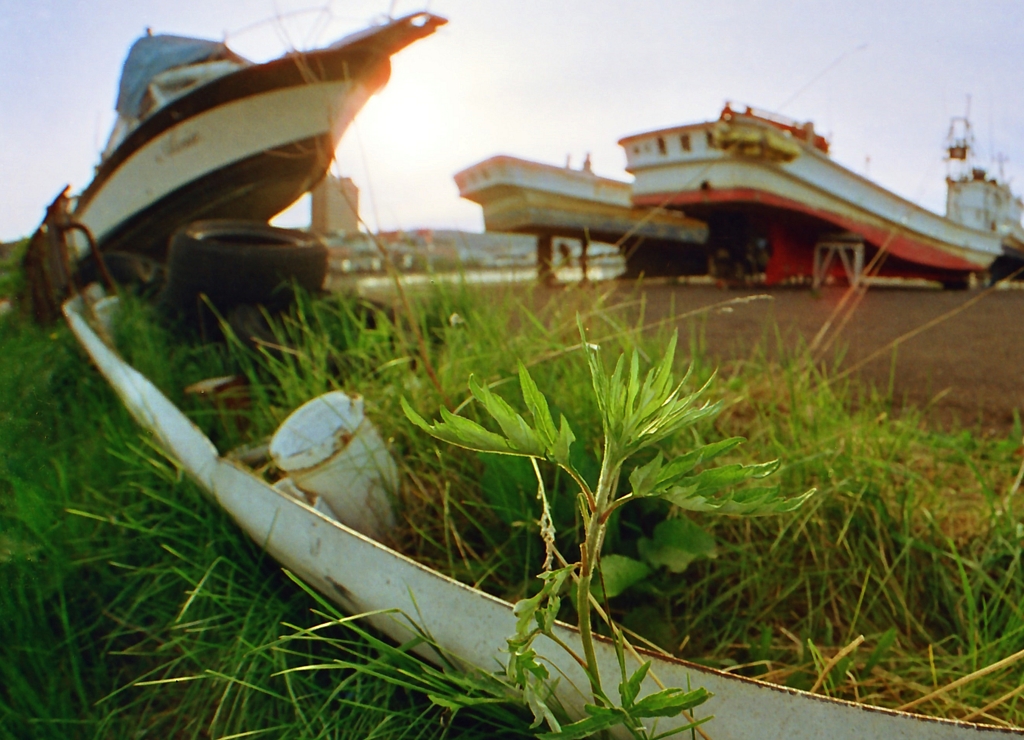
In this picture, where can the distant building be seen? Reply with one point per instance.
(335, 206)
(448, 250)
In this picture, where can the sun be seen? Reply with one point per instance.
(408, 140)
(402, 122)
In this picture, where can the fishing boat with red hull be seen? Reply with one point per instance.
(777, 205)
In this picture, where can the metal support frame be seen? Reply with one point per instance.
(584, 247)
(545, 270)
(851, 254)
(52, 270)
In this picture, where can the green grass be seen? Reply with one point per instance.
(911, 541)
(132, 607)
(10, 268)
(115, 573)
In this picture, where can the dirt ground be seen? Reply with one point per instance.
(968, 369)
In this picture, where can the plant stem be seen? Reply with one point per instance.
(586, 636)
(590, 552)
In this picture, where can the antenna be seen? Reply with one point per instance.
(991, 132)
(1001, 159)
(835, 63)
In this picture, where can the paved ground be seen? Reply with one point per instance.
(968, 369)
(970, 366)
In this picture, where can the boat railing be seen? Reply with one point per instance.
(802, 131)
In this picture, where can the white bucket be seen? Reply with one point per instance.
(287, 486)
(332, 451)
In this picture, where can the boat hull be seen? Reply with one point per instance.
(806, 190)
(256, 187)
(529, 197)
(404, 598)
(246, 145)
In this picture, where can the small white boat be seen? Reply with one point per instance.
(521, 196)
(405, 598)
(766, 183)
(202, 133)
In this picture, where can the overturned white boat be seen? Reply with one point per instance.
(405, 598)
(202, 133)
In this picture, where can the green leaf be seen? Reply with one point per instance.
(532, 679)
(743, 502)
(669, 702)
(523, 663)
(655, 391)
(537, 694)
(885, 642)
(618, 573)
(561, 449)
(680, 466)
(597, 374)
(461, 432)
(633, 390)
(600, 719)
(644, 480)
(713, 479)
(617, 393)
(525, 610)
(547, 614)
(710, 451)
(676, 544)
(538, 406)
(671, 417)
(520, 435)
(629, 690)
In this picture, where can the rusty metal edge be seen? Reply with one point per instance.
(363, 576)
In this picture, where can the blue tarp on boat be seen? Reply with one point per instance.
(151, 55)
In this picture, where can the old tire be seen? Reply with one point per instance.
(234, 262)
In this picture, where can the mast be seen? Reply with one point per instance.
(960, 146)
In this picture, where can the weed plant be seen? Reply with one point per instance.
(132, 607)
(635, 415)
(905, 566)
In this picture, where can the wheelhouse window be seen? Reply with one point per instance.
(684, 142)
(661, 146)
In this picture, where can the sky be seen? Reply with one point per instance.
(543, 80)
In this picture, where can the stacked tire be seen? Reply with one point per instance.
(228, 263)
